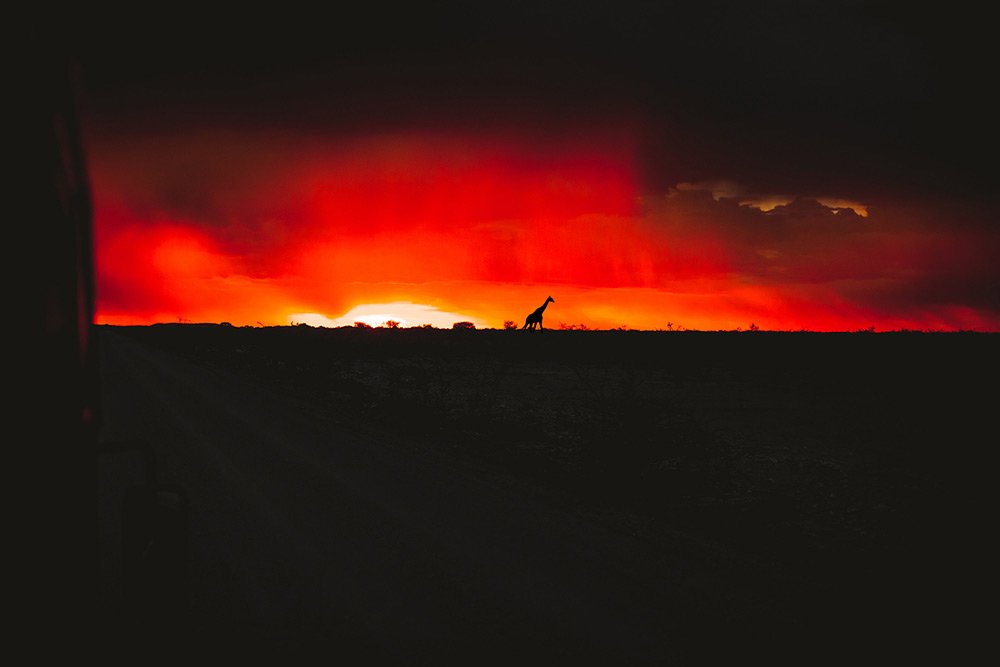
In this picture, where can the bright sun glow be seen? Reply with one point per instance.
(407, 314)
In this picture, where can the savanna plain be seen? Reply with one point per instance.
(839, 480)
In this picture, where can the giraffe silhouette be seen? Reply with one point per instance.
(535, 318)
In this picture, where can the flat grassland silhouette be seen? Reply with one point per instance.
(836, 476)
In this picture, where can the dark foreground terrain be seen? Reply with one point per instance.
(429, 495)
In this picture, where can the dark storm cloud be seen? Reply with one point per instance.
(917, 260)
(859, 96)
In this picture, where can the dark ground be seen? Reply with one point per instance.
(415, 495)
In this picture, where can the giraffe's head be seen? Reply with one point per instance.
(550, 299)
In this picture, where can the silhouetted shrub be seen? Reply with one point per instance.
(463, 325)
(392, 324)
(362, 325)
(509, 324)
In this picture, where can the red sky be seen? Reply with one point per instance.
(793, 169)
(257, 227)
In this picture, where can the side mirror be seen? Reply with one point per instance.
(154, 541)
(155, 552)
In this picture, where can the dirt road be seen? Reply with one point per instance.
(306, 537)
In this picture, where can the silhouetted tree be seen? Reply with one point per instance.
(463, 325)
(392, 324)
(509, 324)
(362, 325)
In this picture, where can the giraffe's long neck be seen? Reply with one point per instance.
(542, 308)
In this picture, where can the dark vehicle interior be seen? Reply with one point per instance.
(58, 553)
